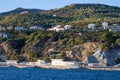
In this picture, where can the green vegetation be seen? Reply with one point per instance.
(19, 10)
(117, 60)
(106, 37)
(118, 41)
(47, 60)
(31, 56)
(32, 19)
(33, 45)
(78, 15)
(36, 44)
(14, 55)
(105, 47)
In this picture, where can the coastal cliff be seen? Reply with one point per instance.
(88, 52)
(108, 58)
(69, 46)
(77, 52)
(71, 33)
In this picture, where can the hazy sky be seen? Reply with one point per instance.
(7, 5)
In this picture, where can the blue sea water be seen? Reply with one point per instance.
(54, 74)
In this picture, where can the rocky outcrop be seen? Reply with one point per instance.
(80, 52)
(5, 51)
(5, 48)
(88, 47)
(77, 52)
(105, 58)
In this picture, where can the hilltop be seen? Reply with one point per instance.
(19, 10)
(77, 15)
(86, 11)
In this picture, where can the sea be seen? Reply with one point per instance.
(13, 73)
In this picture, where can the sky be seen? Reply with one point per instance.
(7, 5)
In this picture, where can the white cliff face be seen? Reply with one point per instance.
(104, 58)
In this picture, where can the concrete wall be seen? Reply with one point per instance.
(60, 62)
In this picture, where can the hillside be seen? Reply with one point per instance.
(19, 10)
(83, 14)
(78, 15)
(80, 45)
(86, 11)
(32, 45)
(29, 19)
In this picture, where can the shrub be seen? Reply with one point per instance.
(104, 47)
(118, 41)
(47, 60)
(117, 60)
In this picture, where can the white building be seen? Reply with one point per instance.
(36, 28)
(4, 35)
(91, 26)
(54, 15)
(115, 28)
(60, 62)
(40, 61)
(95, 65)
(57, 62)
(9, 27)
(20, 28)
(105, 25)
(2, 28)
(118, 65)
(116, 25)
(56, 28)
(67, 27)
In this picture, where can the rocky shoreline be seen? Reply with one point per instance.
(64, 67)
(59, 67)
(102, 68)
(57, 64)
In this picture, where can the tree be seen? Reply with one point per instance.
(106, 37)
(31, 56)
(118, 41)
(47, 59)
(104, 47)
(21, 59)
(14, 55)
